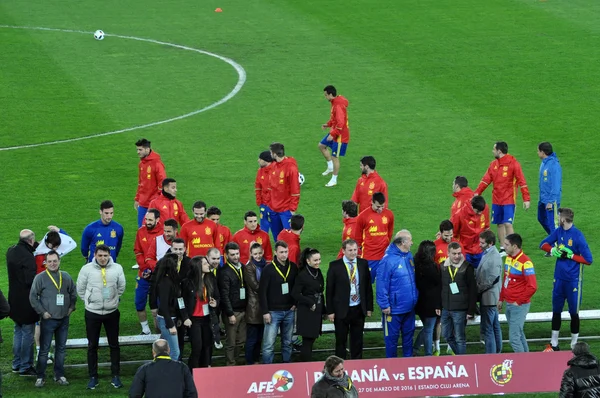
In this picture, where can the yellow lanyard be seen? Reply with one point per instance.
(240, 274)
(103, 275)
(162, 357)
(450, 271)
(59, 286)
(349, 385)
(178, 265)
(348, 270)
(281, 273)
(514, 261)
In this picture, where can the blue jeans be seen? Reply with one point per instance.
(515, 315)
(23, 347)
(285, 321)
(171, 338)
(254, 337)
(453, 330)
(425, 336)
(490, 329)
(279, 222)
(141, 214)
(265, 218)
(59, 329)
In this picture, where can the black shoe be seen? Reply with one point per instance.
(15, 370)
(29, 372)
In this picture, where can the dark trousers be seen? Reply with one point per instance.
(355, 324)
(181, 331)
(306, 349)
(202, 342)
(254, 336)
(93, 325)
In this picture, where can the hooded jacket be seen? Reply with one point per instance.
(396, 286)
(169, 207)
(244, 238)
(582, 378)
(151, 175)
(284, 186)
(90, 285)
(550, 180)
(462, 197)
(338, 121)
(468, 225)
(506, 175)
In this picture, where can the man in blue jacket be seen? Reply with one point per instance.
(397, 295)
(550, 187)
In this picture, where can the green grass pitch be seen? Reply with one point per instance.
(432, 85)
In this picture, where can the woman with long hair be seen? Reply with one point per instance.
(200, 294)
(170, 303)
(429, 285)
(308, 293)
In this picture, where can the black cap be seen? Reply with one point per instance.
(266, 156)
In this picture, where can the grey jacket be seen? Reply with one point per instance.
(488, 272)
(90, 286)
(42, 295)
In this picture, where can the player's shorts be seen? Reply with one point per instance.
(569, 291)
(142, 289)
(337, 148)
(503, 214)
(474, 259)
(373, 265)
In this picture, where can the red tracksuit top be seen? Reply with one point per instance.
(373, 232)
(284, 186)
(293, 241)
(506, 175)
(244, 238)
(463, 197)
(199, 237)
(170, 208)
(467, 227)
(347, 232)
(151, 175)
(261, 185)
(338, 121)
(143, 240)
(366, 186)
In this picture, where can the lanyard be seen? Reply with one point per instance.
(162, 357)
(348, 270)
(281, 273)
(349, 385)
(178, 265)
(103, 275)
(59, 286)
(514, 261)
(450, 271)
(240, 275)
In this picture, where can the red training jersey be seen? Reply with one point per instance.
(144, 239)
(169, 208)
(199, 237)
(506, 175)
(520, 283)
(40, 262)
(293, 242)
(261, 185)
(244, 238)
(373, 232)
(441, 250)
(347, 232)
(463, 197)
(224, 237)
(366, 186)
(467, 227)
(151, 175)
(284, 186)
(338, 121)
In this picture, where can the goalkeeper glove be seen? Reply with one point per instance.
(566, 253)
(555, 252)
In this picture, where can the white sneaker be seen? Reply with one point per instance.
(135, 266)
(327, 172)
(331, 183)
(218, 346)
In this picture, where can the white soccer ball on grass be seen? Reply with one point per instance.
(99, 35)
(301, 178)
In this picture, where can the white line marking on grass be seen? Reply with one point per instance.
(238, 68)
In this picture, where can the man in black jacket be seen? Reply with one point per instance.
(276, 303)
(233, 302)
(20, 262)
(582, 378)
(163, 377)
(349, 299)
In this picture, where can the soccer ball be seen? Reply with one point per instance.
(99, 35)
(301, 178)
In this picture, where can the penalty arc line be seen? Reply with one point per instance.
(238, 68)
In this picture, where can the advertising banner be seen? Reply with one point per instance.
(397, 377)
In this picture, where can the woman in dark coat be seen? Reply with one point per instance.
(582, 378)
(308, 293)
(429, 285)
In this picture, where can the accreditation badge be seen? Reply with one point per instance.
(205, 309)
(454, 288)
(105, 293)
(353, 289)
(180, 303)
(60, 300)
(242, 293)
(285, 288)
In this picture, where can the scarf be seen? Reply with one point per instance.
(259, 267)
(167, 195)
(344, 384)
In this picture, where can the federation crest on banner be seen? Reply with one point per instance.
(282, 380)
(502, 374)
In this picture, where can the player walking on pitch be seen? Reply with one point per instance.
(339, 135)
(571, 250)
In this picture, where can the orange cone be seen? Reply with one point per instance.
(218, 10)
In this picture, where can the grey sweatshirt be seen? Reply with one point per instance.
(42, 295)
